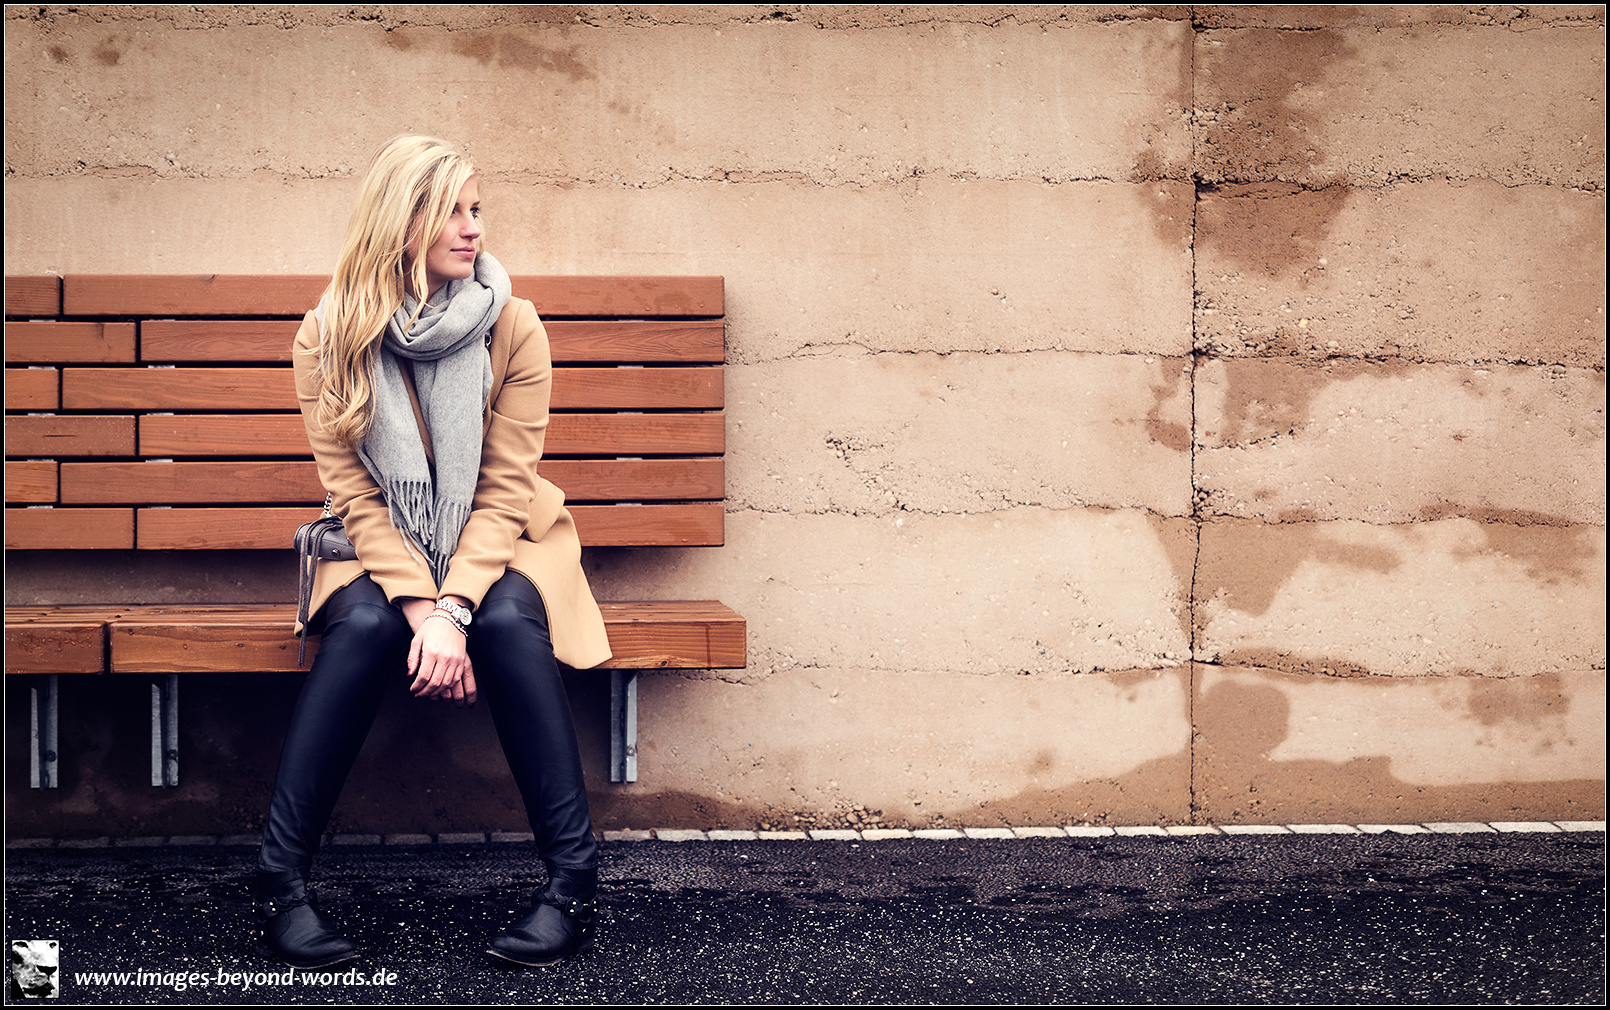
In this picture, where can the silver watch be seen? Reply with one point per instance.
(458, 613)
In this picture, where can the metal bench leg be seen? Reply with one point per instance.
(42, 733)
(623, 725)
(165, 730)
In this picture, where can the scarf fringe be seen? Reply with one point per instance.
(449, 524)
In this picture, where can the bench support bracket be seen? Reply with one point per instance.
(165, 729)
(623, 725)
(42, 733)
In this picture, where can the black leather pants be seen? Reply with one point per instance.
(364, 647)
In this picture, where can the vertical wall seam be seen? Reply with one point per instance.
(1196, 518)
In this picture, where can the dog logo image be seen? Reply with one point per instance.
(34, 965)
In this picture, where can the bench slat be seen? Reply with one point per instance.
(568, 435)
(30, 481)
(78, 528)
(33, 296)
(56, 647)
(75, 435)
(574, 388)
(164, 483)
(696, 524)
(223, 435)
(298, 481)
(634, 341)
(293, 295)
(53, 342)
(178, 389)
(190, 294)
(649, 635)
(33, 388)
(684, 297)
(164, 340)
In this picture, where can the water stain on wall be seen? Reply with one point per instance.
(1179, 538)
(511, 50)
(1264, 398)
(1258, 131)
(1251, 129)
(107, 54)
(1523, 700)
(1245, 562)
(1550, 554)
(1272, 229)
(1238, 726)
(1172, 434)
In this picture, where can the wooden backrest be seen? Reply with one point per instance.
(159, 412)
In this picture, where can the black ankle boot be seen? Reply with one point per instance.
(562, 922)
(290, 927)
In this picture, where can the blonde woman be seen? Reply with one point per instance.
(424, 387)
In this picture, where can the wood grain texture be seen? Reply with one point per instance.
(637, 341)
(689, 524)
(31, 481)
(76, 528)
(190, 294)
(580, 388)
(245, 528)
(61, 646)
(699, 634)
(165, 483)
(224, 435)
(702, 434)
(56, 343)
(33, 388)
(674, 635)
(178, 389)
(161, 483)
(637, 479)
(70, 435)
(163, 340)
(666, 297)
(33, 296)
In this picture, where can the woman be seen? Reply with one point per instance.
(424, 387)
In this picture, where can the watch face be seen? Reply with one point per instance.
(456, 612)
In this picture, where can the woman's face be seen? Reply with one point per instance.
(452, 255)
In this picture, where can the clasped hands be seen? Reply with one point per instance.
(438, 659)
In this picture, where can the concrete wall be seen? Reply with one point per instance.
(1136, 414)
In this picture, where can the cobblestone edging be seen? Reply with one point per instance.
(848, 835)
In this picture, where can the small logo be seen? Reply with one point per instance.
(35, 970)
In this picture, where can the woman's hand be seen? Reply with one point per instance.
(438, 660)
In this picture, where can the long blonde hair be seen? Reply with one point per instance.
(406, 200)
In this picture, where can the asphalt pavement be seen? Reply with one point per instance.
(1428, 918)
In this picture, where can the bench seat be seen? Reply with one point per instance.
(256, 638)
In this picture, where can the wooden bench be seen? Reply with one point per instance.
(159, 413)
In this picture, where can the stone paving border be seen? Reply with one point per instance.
(852, 835)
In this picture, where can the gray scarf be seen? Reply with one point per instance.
(453, 378)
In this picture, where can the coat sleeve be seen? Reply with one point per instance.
(357, 499)
(509, 496)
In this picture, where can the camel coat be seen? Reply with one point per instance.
(518, 520)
